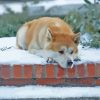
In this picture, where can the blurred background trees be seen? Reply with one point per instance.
(87, 21)
(84, 19)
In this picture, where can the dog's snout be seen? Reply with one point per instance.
(69, 62)
(61, 52)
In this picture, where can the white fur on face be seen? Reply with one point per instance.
(59, 58)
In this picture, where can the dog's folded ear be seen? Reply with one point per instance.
(49, 35)
(77, 38)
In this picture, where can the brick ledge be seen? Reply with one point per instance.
(83, 74)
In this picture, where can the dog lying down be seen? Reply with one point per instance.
(50, 38)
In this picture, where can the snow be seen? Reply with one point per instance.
(59, 3)
(18, 7)
(17, 56)
(14, 55)
(47, 5)
(36, 91)
(2, 10)
(89, 55)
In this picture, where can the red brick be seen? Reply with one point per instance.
(17, 71)
(80, 81)
(50, 81)
(61, 72)
(28, 71)
(91, 70)
(71, 72)
(87, 81)
(81, 71)
(50, 71)
(17, 82)
(97, 70)
(5, 71)
(98, 81)
(39, 71)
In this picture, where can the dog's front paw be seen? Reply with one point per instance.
(77, 59)
(50, 60)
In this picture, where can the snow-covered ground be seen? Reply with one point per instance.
(18, 7)
(16, 56)
(31, 91)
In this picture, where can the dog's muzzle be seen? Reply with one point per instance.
(69, 62)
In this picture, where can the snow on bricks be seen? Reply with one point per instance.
(50, 74)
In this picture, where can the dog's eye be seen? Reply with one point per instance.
(71, 51)
(61, 52)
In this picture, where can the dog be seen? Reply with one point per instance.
(49, 34)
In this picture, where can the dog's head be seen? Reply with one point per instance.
(63, 44)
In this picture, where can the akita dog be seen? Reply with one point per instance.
(49, 37)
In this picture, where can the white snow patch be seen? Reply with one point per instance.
(32, 91)
(52, 3)
(86, 38)
(16, 56)
(16, 7)
(2, 10)
(89, 54)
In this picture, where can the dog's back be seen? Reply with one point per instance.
(30, 31)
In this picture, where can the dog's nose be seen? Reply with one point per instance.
(69, 62)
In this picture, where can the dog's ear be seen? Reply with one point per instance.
(49, 35)
(77, 38)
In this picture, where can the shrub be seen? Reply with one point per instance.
(74, 19)
(86, 22)
(9, 23)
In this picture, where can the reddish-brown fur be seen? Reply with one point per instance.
(60, 34)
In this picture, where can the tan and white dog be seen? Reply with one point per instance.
(49, 37)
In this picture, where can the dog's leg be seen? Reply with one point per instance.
(44, 54)
(31, 47)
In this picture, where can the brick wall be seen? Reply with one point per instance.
(80, 75)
